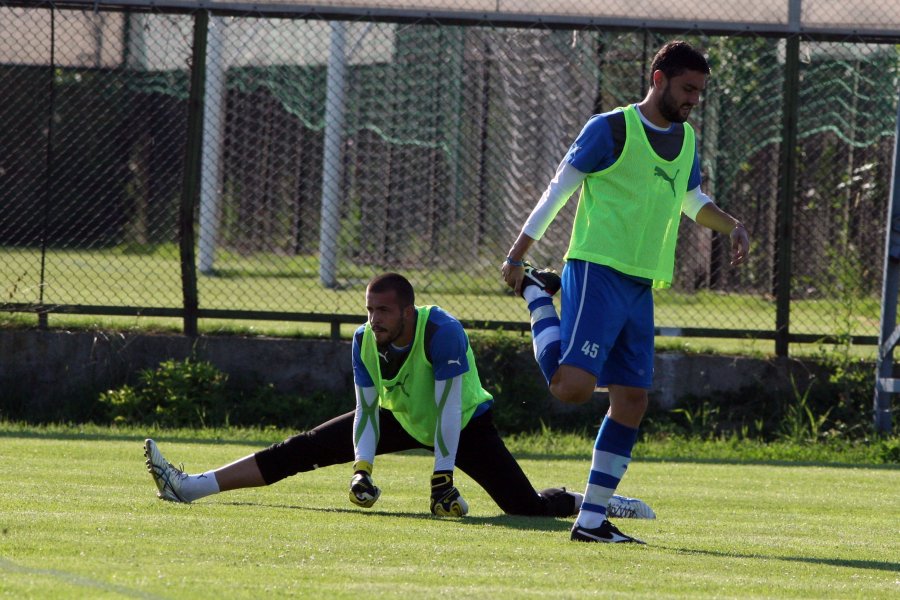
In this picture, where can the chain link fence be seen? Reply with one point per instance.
(332, 150)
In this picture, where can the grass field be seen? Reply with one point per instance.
(79, 519)
(119, 277)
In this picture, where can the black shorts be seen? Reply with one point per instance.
(481, 454)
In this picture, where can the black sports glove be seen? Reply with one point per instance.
(363, 491)
(446, 500)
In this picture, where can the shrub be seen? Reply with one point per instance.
(832, 407)
(192, 393)
(186, 393)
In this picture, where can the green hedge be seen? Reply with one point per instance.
(195, 393)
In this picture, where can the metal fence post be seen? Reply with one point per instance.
(885, 384)
(48, 185)
(785, 216)
(191, 183)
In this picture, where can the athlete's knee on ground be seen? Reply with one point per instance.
(558, 502)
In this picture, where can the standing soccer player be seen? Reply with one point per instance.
(638, 170)
(417, 386)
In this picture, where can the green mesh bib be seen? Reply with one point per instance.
(628, 214)
(410, 394)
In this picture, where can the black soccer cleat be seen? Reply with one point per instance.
(607, 533)
(546, 279)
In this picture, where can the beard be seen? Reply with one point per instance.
(670, 109)
(389, 335)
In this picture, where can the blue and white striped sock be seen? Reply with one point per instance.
(544, 330)
(612, 453)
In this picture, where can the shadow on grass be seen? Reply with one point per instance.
(875, 565)
(538, 523)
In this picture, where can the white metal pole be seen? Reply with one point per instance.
(213, 139)
(332, 155)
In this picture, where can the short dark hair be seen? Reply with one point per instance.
(676, 57)
(395, 282)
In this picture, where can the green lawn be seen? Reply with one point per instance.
(79, 519)
(270, 282)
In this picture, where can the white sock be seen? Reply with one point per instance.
(533, 292)
(194, 487)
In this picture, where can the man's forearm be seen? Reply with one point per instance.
(520, 247)
(715, 218)
(718, 220)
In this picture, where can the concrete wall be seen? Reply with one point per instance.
(40, 369)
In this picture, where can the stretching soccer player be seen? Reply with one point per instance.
(417, 386)
(638, 170)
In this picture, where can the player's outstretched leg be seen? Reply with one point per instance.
(172, 483)
(561, 502)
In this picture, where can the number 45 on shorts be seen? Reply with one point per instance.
(590, 349)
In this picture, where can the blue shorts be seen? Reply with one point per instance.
(606, 324)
